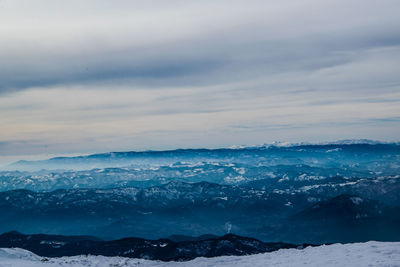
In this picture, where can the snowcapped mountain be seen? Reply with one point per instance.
(181, 208)
(346, 191)
(333, 154)
(260, 172)
(174, 208)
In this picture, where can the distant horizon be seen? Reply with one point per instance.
(16, 158)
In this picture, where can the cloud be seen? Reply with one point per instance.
(183, 42)
(84, 76)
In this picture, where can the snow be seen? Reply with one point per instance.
(333, 150)
(358, 254)
(338, 142)
(17, 254)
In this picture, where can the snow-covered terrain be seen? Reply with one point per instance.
(358, 254)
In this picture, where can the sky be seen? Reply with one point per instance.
(81, 77)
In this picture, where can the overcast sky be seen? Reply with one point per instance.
(95, 76)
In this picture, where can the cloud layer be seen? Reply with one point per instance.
(85, 76)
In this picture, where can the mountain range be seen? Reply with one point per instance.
(275, 194)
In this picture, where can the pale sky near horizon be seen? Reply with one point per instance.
(96, 76)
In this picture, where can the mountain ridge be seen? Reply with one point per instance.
(166, 157)
(160, 249)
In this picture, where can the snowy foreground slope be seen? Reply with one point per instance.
(358, 254)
